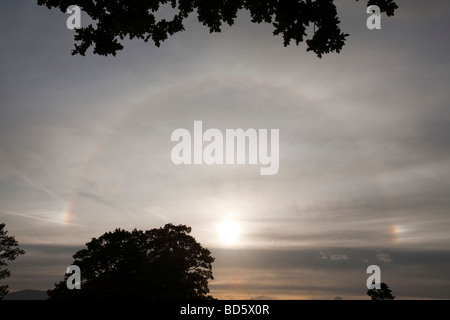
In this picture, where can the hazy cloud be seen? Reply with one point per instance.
(333, 256)
(384, 257)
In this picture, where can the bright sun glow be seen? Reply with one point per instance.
(229, 231)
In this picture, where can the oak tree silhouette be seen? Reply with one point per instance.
(136, 19)
(9, 250)
(384, 293)
(161, 263)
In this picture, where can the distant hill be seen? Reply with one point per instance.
(27, 295)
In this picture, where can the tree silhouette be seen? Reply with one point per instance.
(9, 250)
(384, 293)
(136, 19)
(163, 263)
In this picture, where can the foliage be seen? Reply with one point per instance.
(384, 293)
(136, 19)
(9, 250)
(163, 263)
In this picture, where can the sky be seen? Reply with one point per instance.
(364, 150)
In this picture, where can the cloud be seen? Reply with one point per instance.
(40, 215)
(333, 256)
(364, 145)
(384, 257)
(262, 298)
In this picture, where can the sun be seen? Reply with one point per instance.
(229, 231)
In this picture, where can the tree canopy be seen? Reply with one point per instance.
(161, 263)
(136, 19)
(9, 250)
(384, 293)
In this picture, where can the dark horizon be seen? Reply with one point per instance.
(344, 268)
